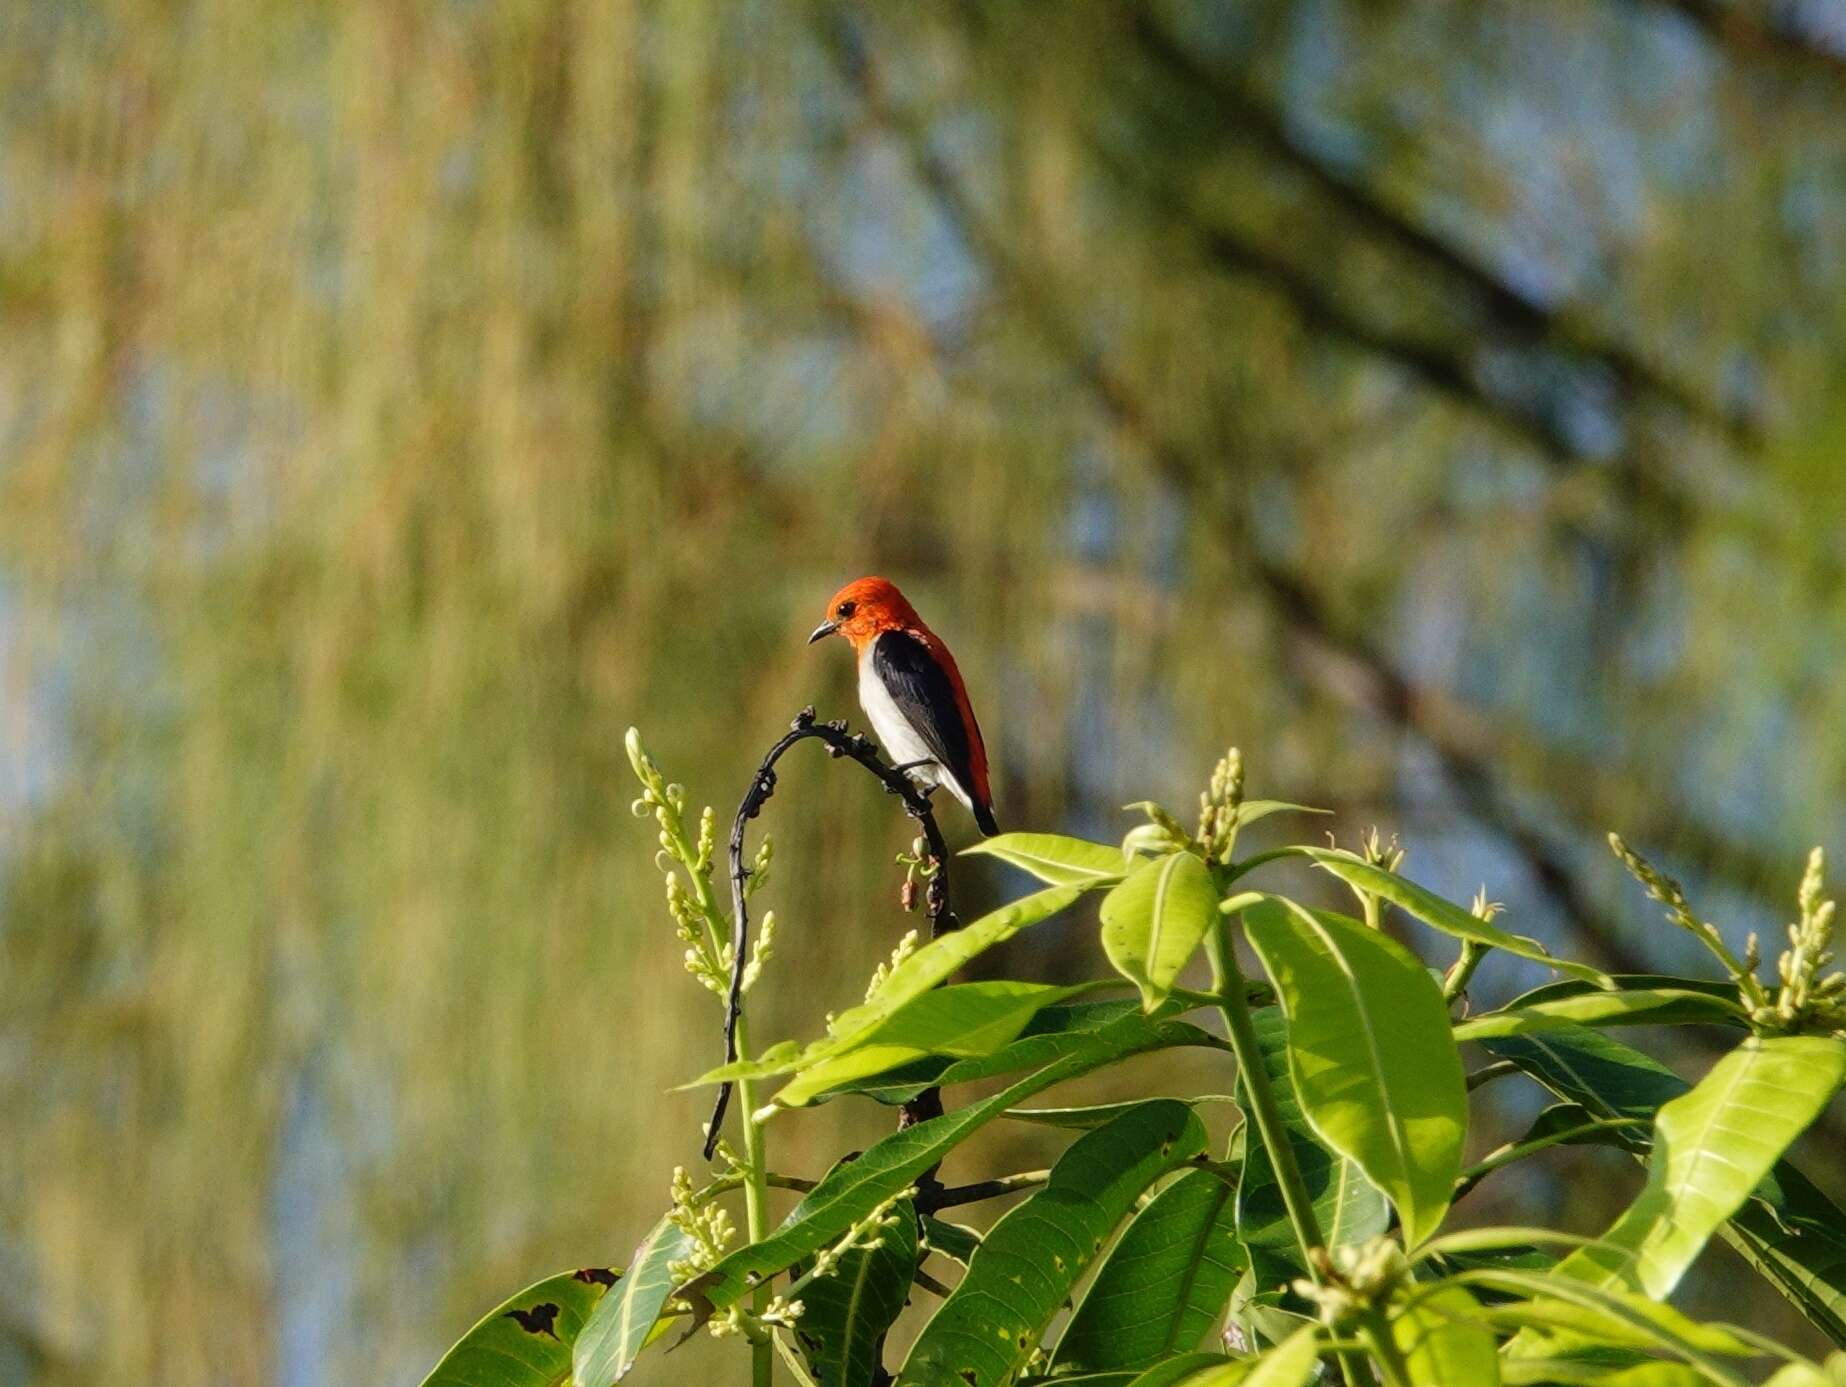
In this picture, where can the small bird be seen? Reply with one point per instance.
(912, 692)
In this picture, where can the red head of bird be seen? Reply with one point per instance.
(912, 692)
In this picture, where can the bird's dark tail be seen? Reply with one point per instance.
(984, 820)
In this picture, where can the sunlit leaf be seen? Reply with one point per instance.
(990, 1324)
(964, 1020)
(1163, 1285)
(1054, 858)
(1788, 1230)
(618, 1330)
(1652, 1007)
(526, 1342)
(1253, 810)
(1445, 1342)
(1432, 910)
(1369, 1051)
(1712, 1147)
(1153, 923)
(1054, 1033)
(1346, 1205)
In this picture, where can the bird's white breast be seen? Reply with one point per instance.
(893, 730)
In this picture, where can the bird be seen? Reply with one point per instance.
(912, 692)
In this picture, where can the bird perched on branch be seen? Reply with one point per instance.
(913, 694)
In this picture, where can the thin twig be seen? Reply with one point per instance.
(854, 747)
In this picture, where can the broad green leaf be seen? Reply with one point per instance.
(1432, 910)
(619, 1328)
(1650, 1007)
(1369, 1051)
(1445, 1342)
(1163, 1285)
(851, 1191)
(1347, 1206)
(1054, 1033)
(526, 1342)
(964, 1020)
(1053, 858)
(1712, 1147)
(847, 1313)
(1153, 922)
(1788, 1230)
(990, 1324)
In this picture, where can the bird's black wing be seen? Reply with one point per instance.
(923, 694)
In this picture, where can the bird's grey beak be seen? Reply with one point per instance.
(826, 628)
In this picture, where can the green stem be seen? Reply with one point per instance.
(1228, 983)
(1461, 972)
(756, 1207)
(1375, 1332)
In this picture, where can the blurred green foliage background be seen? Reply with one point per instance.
(1440, 399)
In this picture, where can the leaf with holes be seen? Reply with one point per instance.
(1153, 923)
(1369, 1051)
(527, 1341)
(990, 1324)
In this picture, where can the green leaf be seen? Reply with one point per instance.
(1432, 910)
(1347, 1206)
(1445, 1342)
(952, 1240)
(847, 1313)
(964, 1020)
(1054, 1033)
(1088, 1119)
(1369, 1051)
(851, 1191)
(1788, 1230)
(1054, 858)
(1642, 1007)
(1287, 1365)
(619, 1328)
(1153, 922)
(1164, 1283)
(1712, 1147)
(1578, 1372)
(1607, 1314)
(1251, 810)
(917, 975)
(526, 1342)
(991, 1323)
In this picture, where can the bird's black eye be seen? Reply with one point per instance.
(844, 610)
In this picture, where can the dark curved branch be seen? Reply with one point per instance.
(854, 747)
